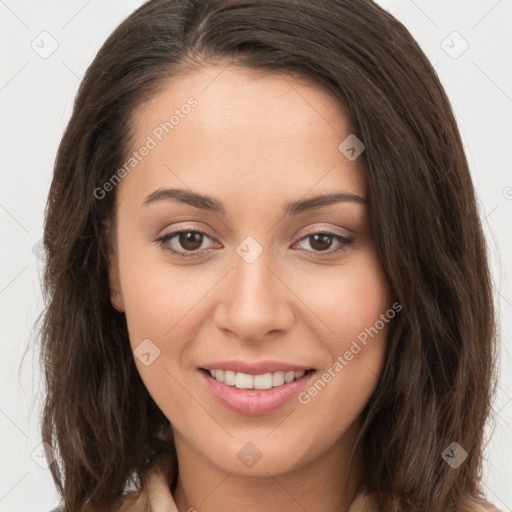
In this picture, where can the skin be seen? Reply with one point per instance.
(255, 141)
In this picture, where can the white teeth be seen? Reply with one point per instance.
(229, 377)
(244, 381)
(277, 378)
(262, 381)
(289, 376)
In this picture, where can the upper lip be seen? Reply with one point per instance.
(256, 367)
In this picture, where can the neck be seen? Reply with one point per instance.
(323, 484)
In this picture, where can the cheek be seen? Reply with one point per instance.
(347, 299)
(356, 307)
(158, 299)
(161, 307)
(159, 320)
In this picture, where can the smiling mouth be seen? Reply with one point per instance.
(262, 381)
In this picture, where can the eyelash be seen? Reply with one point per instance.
(194, 254)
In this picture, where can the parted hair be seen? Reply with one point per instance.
(439, 376)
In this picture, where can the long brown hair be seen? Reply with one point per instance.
(439, 376)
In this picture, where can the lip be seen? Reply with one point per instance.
(255, 368)
(254, 402)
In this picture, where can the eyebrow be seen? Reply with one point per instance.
(214, 205)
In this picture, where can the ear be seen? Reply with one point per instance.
(116, 296)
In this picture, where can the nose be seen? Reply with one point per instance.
(255, 301)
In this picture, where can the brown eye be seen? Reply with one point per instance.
(322, 242)
(190, 240)
(184, 243)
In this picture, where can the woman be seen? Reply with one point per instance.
(267, 279)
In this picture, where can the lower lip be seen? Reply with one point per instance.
(254, 402)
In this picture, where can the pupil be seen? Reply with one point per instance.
(323, 246)
(189, 240)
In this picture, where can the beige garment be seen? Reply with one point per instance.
(161, 500)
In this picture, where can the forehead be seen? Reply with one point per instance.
(246, 128)
(226, 95)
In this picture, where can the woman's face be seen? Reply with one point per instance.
(256, 293)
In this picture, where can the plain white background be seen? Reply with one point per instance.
(468, 42)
